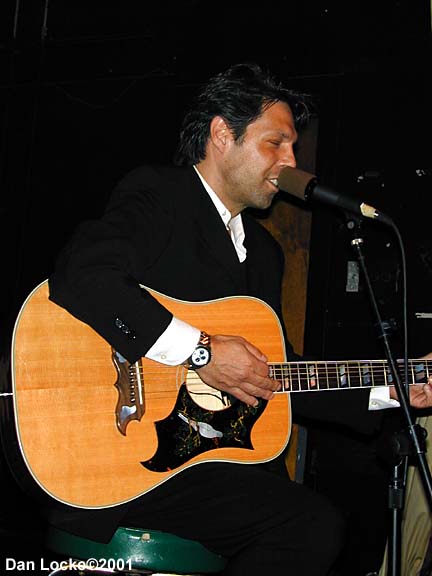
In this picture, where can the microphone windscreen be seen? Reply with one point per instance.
(295, 182)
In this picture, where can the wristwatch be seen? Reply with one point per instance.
(201, 356)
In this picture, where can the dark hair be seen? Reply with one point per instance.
(239, 95)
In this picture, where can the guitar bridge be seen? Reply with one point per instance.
(130, 386)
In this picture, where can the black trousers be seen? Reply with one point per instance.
(263, 522)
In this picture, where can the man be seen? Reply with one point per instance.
(183, 232)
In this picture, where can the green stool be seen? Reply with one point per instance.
(132, 550)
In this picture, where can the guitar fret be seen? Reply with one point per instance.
(387, 376)
(419, 373)
(302, 377)
(378, 378)
(342, 374)
(332, 377)
(316, 375)
(327, 376)
(354, 376)
(372, 374)
(299, 377)
(305, 381)
(367, 374)
(322, 375)
(346, 376)
(338, 378)
(313, 375)
(343, 380)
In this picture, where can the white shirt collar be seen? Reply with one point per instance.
(233, 225)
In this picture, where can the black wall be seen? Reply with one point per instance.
(90, 89)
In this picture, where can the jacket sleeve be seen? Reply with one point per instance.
(96, 274)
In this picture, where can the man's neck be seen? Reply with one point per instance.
(214, 180)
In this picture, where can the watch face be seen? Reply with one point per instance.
(200, 356)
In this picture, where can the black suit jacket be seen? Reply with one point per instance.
(161, 229)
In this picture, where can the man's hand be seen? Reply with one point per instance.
(238, 368)
(420, 395)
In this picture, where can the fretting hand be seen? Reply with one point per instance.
(420, 395)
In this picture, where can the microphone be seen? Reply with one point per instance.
(305, 186)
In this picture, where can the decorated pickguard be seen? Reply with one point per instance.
(191, 430)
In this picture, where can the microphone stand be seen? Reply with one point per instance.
(410, 441)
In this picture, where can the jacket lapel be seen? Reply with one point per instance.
(214, 235)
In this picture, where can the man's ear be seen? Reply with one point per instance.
(219, 133)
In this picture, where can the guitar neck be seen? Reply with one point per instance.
(340, 375)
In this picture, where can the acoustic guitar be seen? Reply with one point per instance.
(95, 430)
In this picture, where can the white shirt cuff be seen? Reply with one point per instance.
(176, 344)
(379, 399)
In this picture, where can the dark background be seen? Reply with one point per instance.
(90, 89)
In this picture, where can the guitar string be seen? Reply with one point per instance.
(315, 370)
(308, 384)
(301, 381)
(295, 369)
(304, 367)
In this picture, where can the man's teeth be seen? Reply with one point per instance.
(274, 181)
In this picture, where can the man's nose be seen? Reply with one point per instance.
(288, 158)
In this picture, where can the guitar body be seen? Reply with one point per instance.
(95, 431)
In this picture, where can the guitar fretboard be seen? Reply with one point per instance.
(339, 375)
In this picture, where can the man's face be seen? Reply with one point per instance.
(252, 165)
